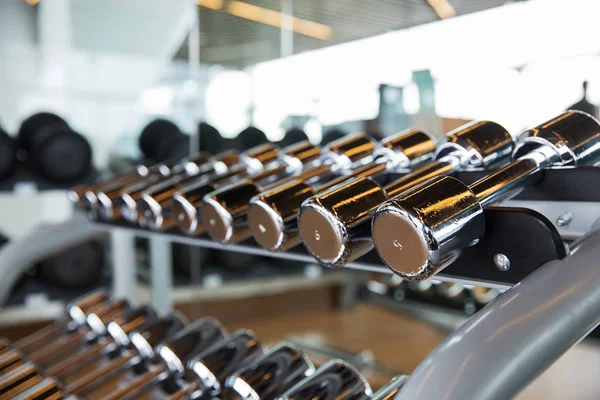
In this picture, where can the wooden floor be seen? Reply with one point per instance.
(401, 343)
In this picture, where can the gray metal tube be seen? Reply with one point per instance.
(501, 349)
(18, 255)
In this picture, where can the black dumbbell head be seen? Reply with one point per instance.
(153, 134)
(35, 123)
(252, 136)
(62, 154)
(293, 136)
(331, 135)
(210, 138)
(7, 154)
(173, 147)
(77, 267)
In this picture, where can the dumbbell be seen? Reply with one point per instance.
(224, 211)
(84, 196)
(62, 344)
(119, 199)
(251, 137)
(173, 356)
(210, 368)
(57, 151)
(154, 205)
(420, 231)
(127, 365)
(156, 202)
(112, 341)
(46, 389)
(335, 224)
(76, 267)
(390, 389)
(20, 380)
(294, 135)
(131, 198)
(210, 138)
(76, 317)
(265, 161)
(68, 344)
(335, 379)
(8, 154)
(161, 140)
(272, 214)
(270, 375)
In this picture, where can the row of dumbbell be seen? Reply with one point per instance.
(328, 198)
(105, 349)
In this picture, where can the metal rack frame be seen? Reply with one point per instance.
(502, 348)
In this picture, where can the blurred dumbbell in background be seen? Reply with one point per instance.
(54, 150)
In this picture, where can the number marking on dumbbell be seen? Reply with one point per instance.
(262, 228)
(317, 235)
(397, 244)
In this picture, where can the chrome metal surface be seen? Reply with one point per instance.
(123, 325)
(152, 332)
(192, 340)
(256, 158)
(187, 202)
(296, 156)
(420, 231)
(573, 136)
(192, 164)
(406, 148)
(501, 349)
(477, 144)
(328, 223)
(348, 150)
(390, 389)
(344, 213)
(417, 232)
(154, 208)
(228, 206)
(272, 215)
(212, 366)
(269, 375)
(78, 308)
(502, 262)
(98, 318)
(335, 380)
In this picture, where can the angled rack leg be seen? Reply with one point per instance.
(18, 255)
(501, 349)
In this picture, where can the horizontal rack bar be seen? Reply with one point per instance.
(293, 255)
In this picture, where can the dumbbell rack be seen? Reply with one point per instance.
(556, 302)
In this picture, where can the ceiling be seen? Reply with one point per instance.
(233, 41)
